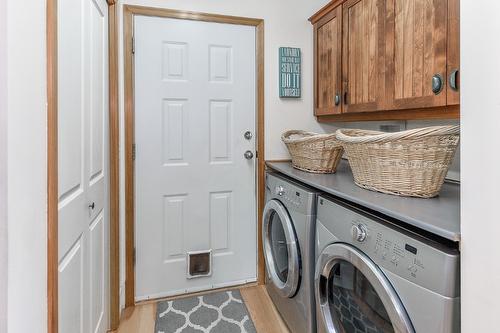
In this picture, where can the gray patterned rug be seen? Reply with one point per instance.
(221, 312)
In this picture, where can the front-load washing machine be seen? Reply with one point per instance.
(288, 240)
(373, 276)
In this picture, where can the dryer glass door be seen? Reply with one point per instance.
(281, 249)
(355, 296)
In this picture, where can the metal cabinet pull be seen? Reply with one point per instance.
(92, 205)
(345, 97)
(454, 80)
(437, 84)
(337, 99)
(248, 135)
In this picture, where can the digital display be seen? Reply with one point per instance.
(410, 248)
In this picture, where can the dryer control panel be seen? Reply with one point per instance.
(288, 195)
(291, 194)
(406, 254)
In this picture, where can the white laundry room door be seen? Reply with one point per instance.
(194, 186)
(83, 247)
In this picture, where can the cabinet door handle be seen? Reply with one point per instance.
(345, 97)
(337, 99)
(454, 79)
(437, 84)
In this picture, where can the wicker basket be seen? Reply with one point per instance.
(312, 152)
(409, 163)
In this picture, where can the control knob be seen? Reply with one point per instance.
(359, 232)
(280, 190)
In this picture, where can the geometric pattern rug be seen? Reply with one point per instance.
(221, 312)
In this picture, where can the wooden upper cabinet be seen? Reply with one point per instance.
(327, 64)
(399, 59)
(416, 35)
(363, 54)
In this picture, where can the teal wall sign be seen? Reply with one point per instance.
(289, 72)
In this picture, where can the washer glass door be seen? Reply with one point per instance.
(355, 296)
(281, 249)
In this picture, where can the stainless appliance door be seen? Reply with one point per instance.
(354, 295)
(281, 248)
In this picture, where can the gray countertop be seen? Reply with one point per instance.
(439, 215)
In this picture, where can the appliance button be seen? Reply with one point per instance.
(412, 268)
(359, 232)
(280, 190)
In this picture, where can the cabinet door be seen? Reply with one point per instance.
(327, 63)
(416, 53)
(363, 55)
(453, 55)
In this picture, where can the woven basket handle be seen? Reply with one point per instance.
(378, 137)
(306, 136)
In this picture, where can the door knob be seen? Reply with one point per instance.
(280, 190)
(248, 135)
(248, 155)
(437, 83)
(92, 205)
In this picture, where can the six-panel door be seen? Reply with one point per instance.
(194, 187)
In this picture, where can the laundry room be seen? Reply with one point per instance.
(226, 166)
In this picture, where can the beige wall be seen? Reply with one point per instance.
(3, 167)
(27, 166)
(480, 218)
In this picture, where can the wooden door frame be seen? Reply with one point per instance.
(52, 167)
(129, 11)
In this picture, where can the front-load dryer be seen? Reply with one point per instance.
(288, 240)
(373, 276)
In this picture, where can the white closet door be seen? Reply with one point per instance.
(83, 161)
(194, 189)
